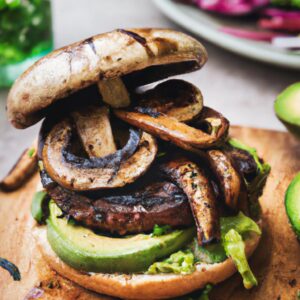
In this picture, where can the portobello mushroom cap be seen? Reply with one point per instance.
(111, 171)
(139, 56)
(186, 136)
(175, 98)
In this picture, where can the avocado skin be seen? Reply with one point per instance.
(135, 256)
(292, 204)
(284, 107)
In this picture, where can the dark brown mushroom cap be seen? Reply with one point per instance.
(139, 55)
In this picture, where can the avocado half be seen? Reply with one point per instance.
(85, 250)
(287, 108)
(292, 204)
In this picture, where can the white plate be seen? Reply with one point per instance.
(206, 25)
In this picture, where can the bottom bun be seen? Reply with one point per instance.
(141, 286)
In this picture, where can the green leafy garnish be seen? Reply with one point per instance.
(11, 268)
(262, 167)
(241, 223)
(235, 248)
(161, 154)
(181, 262)
(31, 152)
(254, 187)
(160, 230)
(205, 292)
(232, 231)
(37, 206)
(210, 254)
(198, 295)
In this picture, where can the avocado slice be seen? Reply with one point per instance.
(292, 204)
(84, 250)
(287, 108)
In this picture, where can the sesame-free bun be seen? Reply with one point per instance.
(141, 286)
(140, 56)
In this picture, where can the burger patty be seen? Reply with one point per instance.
(161, 203)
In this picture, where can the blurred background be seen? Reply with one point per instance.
(240, 87)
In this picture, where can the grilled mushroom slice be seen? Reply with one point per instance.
(93, 127)
(200, 194)
(244, 162)
(170, 129)
(80, 173)
(114, 92)
(230, 181)
(25, 166)
(175, 98)
(161, 203)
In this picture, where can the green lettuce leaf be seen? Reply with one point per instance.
(161, 230)
(235, 248)
(181, 262)
(256, 185)
(205, 292)
(262, 167)
(241, 223)
(233, 229)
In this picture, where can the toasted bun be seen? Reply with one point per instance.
(140, 286)
(107, 55)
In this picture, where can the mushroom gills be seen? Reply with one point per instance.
(114, 92)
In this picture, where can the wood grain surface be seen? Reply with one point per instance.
(275, 263)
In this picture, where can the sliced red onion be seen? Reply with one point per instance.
(231, 7)
(276, 12)
(280, 23)
(251, 34)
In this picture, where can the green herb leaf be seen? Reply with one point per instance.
(31, 152)
(160, 230)
(161, 154)
(37, 206)
(205, 292)
(232, 231)
(181, 262)
(235, 248)
(254, 187)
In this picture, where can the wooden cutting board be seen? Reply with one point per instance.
(276, 262)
